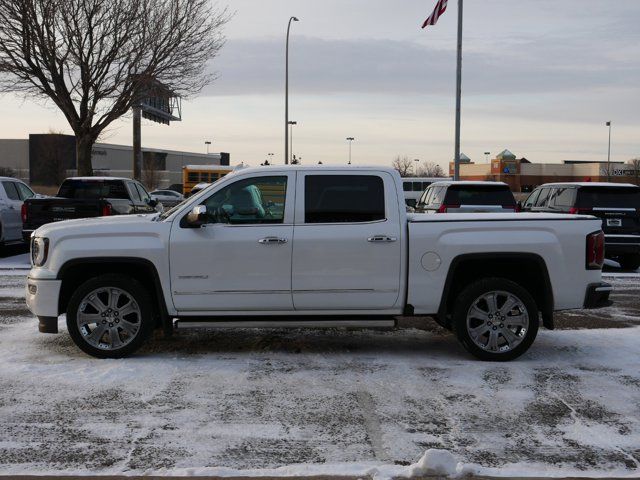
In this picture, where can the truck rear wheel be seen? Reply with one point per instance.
(110, 316)
(495, 319)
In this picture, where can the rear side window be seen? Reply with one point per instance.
(12, 191)
(343, 198)
(93, 189)
(479, 195)
(608, 197)
(407, 186)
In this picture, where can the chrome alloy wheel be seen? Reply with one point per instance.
(109, 318)
(497, 321)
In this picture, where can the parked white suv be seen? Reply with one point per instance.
(13, 193)
(318, 247)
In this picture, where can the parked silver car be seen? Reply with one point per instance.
(13, 193)
(168, 198)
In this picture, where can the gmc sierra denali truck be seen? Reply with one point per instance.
(313, 247)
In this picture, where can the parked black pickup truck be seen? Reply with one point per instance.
(84, 197)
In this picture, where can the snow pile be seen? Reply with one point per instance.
(435, 462)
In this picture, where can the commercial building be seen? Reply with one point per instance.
(522, 175)
(49, 158)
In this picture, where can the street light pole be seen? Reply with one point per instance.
(291, 124)
(486, 156)
(286, 95)
(456, 160)
(350, 139)
(609, 154)
(207, 143)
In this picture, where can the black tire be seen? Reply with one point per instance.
(142, 300)
(470, 296)
(630, 262)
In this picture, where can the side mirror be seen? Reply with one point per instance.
(197, 216)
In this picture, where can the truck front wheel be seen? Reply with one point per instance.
(495, 319)
(110, 316)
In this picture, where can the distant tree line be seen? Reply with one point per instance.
(411, 168)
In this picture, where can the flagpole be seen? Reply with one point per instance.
(456, 160)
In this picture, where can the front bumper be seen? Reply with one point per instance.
(597, 295)
(42, 296)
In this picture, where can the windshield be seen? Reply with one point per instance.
(479, 195)
(608, 197)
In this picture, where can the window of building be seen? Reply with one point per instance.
(343, 198)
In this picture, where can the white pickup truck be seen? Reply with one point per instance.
(313, 247)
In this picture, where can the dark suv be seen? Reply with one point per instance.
(617, 204)
(467, 197)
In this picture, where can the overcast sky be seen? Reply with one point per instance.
(540, 78)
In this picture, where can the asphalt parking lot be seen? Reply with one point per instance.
(258, 402)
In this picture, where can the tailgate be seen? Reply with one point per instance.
(47, 210)
(618, 207)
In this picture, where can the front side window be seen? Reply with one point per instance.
(438, 196)
(258, 200)
(144, 196)
(24, 191)
(133, 191)
(343, 199)
(531, 200)
(544, 196)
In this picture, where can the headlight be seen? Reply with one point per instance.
(39, 251)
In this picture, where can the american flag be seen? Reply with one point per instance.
(441, 7)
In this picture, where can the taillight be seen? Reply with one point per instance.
(595, 250)
(106, 210)
(23, 213)
(574, 210)
(443, 208)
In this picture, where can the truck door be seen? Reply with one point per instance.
(240, 260)
(347, 247)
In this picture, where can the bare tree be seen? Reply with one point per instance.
(152, 167)
(94, 58)
(431, 169)
(7, 172)
(404, 165)
(635, 163)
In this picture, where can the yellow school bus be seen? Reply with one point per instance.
(195, 174)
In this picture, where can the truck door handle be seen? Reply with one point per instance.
(272, 241)
(381, 239)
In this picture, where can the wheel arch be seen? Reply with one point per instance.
(75, 272)
(531, 273)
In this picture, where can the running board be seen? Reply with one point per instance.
(310, 322)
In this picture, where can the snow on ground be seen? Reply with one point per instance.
(15, 262)
(366, 403)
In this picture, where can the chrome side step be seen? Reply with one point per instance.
(182, 324)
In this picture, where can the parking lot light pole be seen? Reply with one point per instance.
(207, 143)
(609, 154)
(350, 139)
(486, 156)
(286, 95)
(291, 124)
